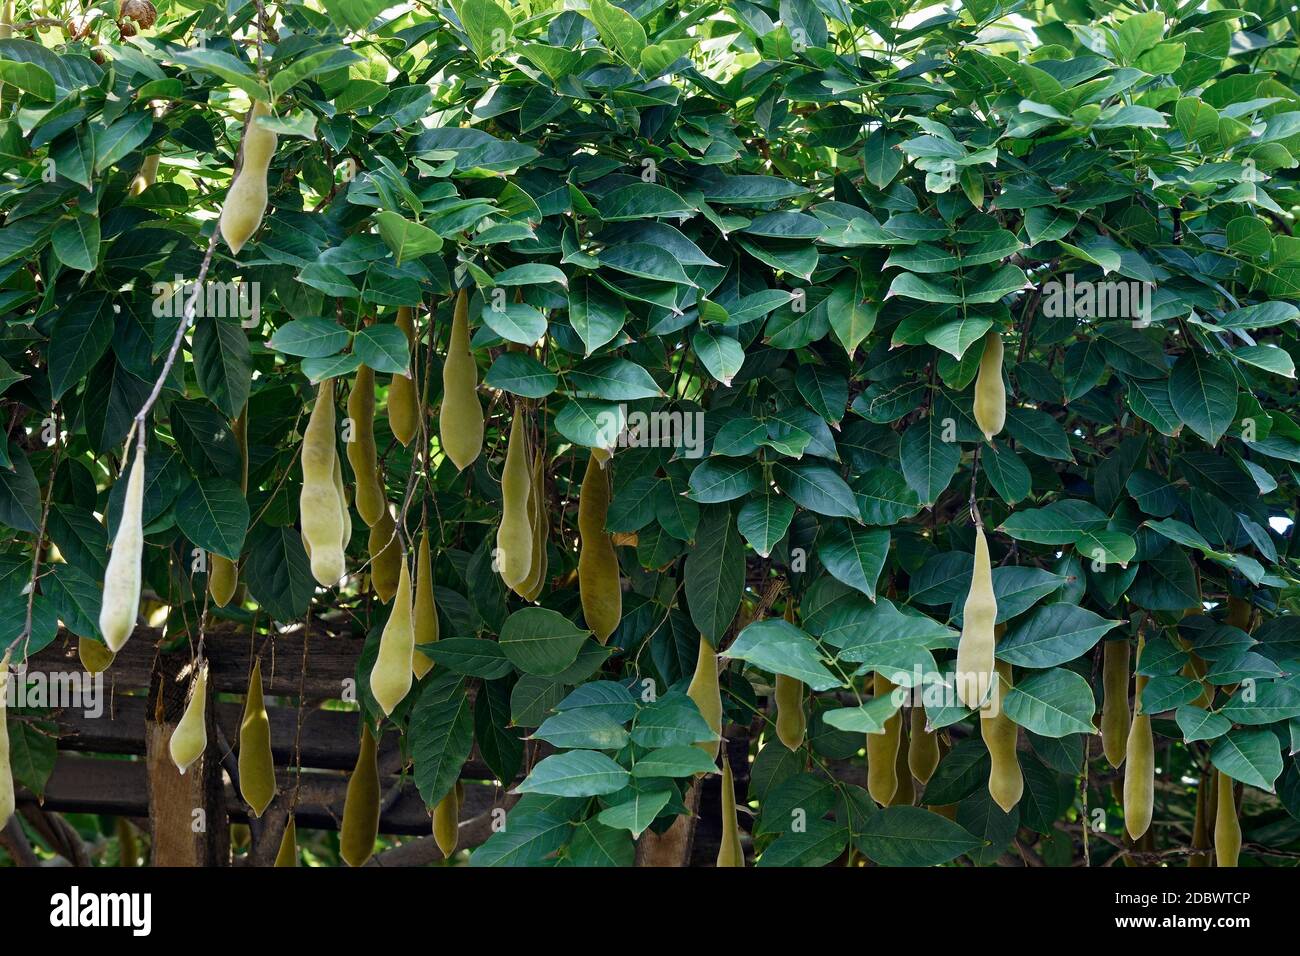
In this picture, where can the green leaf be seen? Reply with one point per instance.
(817, 488)
(642, 201)
(442, 735)
(780, 647)
(1052, 703)
(715, 573)
(487, 25)
(854, 555)
(584, 729)
(384, 348)
(929, 457)
(912, 836)
(408, 240)
(1054, 635)
(1203, 394)
(618, 30)
(721, 355)
(1251, 756)
(213, 514)
(637, 811)
(764, 520)
(310, 338)
(576, 773)
(521, 374)
(679, 760)
(541, 641)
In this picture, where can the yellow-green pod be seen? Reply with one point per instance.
(190, 738)
(385, 557)
(256, 764)
(361, 807)
(391, 677)
(730, 852)
(120, 603)
(1239, 613)
(1140, 760)
(1006, 783)
(245, 203)
(460, 420)
(1201, 824)
(1114, 705)
(425, 611)
(882, 750)
(223, 579)
(288, 853)
(922, 747)
(403, 402)
(446, 822)
(1227, 827)
(7, 799)
(514, 555)
(344, 510)
(905, 794)
(706, 693)
(318, 502)
(147, 175)
(599, 584)
(791, 722)
(539, 523)
(95, 655)
(975, 650)
(371, 503)
(990, 405)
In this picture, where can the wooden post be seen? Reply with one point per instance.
(673, 846)
(187, 813)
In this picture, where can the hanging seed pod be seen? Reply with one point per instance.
(1227, 826)
(731, 852)
(599, 585)
(905, 795)
(190, 738)
(990, 393)
(1201, 824)
(425, 612)
(385, 557)
(371, 503)
(361, 807)
(514, 535)
(446, 822)
(539, 527)
(704, 690)
(975, 650)
(1140, 760)
(256, 764)
(120, 604)
(460, 420)
(1114, 706)
(1006, 783)
(922, 747)
(791, 722)
(318, 502)
(403, 402)
(391, 677)
(245, 203)
(7, 800)
(288, 853)
(882, 751)
(95, 655)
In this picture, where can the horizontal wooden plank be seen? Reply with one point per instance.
(329, 737)
(331, 660)
(119, 788)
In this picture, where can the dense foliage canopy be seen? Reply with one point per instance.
(775, 238)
